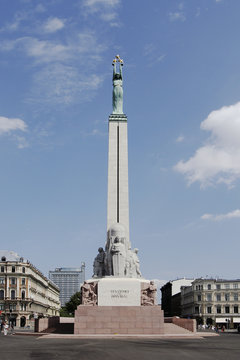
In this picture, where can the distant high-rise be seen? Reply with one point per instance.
(69, 281)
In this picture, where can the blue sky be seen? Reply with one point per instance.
(182, 98)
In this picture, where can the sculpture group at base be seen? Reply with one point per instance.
(148, 294)
(118, 259)
(90, 293)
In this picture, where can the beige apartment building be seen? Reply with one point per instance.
(25, 293)
(212, 302)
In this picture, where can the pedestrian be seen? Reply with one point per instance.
(11, 327)
(5, 330)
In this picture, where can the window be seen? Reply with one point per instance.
(227, 297)
(2, 268)
(1, 306)
(13, 268)
(23, 307)
(209, 309)
(1, 294)
(218, 309)
(227, 286)
(196, 309)
(218, 297)
(235, 309)
(23, 270)
(2, 280)
(199, 298)
(23, 295)
(209, 286)
(23, 281)
(209, 297)
(12, 294)
(13, 281)
(218, 287)
(235, 286)
(227, 309)
(235, 296)
(12, 306)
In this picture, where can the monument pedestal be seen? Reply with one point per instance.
(119, 320)
(122, 306)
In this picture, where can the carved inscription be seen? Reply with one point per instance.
(119, 294)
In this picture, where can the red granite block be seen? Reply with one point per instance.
(112, 325)
(123, 325)
(135, 331)
(81, 325)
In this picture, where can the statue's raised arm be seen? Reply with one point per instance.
(117, 86)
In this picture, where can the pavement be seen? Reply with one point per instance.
(225, 346)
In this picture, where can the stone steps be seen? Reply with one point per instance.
(175, 329)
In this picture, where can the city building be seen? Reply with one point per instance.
(69, 281)
(171, 296)
(25, 293)
(212, 302)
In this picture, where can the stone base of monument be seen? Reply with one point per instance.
(119, 320)
(118, 306)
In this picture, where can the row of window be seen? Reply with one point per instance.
(2, 268)
(218, 309)
(23, 307)
(12, 294)
(13, 281)
(218, 286)
(218, 297)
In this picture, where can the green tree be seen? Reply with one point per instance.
(70, 307)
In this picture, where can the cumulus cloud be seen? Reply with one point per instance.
(218, 161)
(53, 24)
(8, 125)
(231, 215)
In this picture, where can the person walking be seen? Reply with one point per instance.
(5, 329)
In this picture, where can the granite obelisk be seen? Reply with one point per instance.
(117, 203)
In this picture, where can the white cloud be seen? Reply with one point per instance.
(8, 125)
(62, 84)
(22, 142)
(106, 10)
(231, 215)
(218, 161)
(53, 24)
(44, 51)
(94, 5)
(153, 55)
(178, 15)
(180, 138)
(58, 78)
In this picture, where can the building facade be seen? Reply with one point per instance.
(212, 302)
(69, 281)
(25, 293)
(171, 296)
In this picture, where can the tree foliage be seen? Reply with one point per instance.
(69, 309)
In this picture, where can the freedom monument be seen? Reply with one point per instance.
(117, 299)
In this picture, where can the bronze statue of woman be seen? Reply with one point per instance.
(117, 87)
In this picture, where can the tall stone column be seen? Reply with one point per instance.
(117, 206)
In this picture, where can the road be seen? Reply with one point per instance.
(224, 347)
